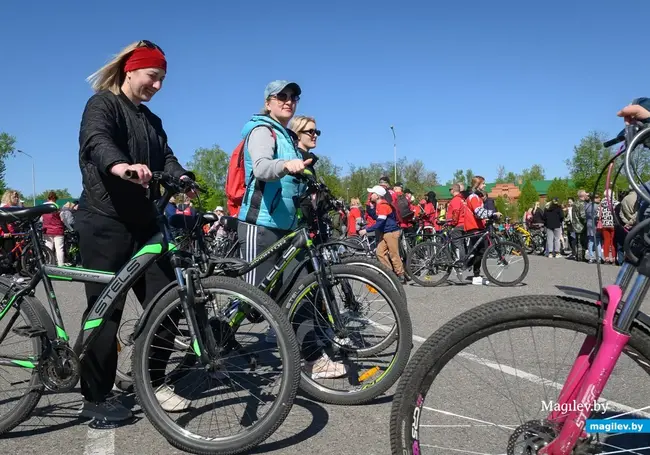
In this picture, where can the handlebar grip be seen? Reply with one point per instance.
(131, 175)
(614, 141)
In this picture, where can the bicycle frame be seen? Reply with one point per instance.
(482, 235)
(117, 286)
(599, 354)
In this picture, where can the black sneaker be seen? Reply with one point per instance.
(107, 411)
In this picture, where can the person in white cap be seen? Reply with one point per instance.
(387, 231)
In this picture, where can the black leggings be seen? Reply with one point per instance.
(107, 244)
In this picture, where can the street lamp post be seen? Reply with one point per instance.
(348, 194)
(33, 176)
(392, 128)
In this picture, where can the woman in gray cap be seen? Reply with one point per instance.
(269, 208)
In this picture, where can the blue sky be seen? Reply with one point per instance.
(466, 84)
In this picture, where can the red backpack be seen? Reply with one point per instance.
(235, 178)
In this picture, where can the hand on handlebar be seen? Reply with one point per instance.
(190, 193)
(633, 113)
(128, 171)
(297, 166)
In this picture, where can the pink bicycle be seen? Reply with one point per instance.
(591, 401)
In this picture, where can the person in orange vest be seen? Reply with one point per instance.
(387, 230)
(475, 216)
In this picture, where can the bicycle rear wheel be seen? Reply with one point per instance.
(430, 263)
(384, 271)
(374, 351)
(442, 371)
(235, 359)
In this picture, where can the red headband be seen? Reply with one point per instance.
(145, 57)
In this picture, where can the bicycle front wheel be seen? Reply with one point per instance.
(493, 374)
(505, 263)
(251, 383)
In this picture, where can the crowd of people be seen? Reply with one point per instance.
(53, 228)
(587, 225)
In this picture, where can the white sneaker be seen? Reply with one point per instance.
(325, 368)
(477, 280)
(169, 401)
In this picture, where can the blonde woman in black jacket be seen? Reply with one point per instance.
(115, 215)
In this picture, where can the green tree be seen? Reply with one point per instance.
(469, 175)
(535, 172)
(211, 198)
(212, 165)
(511, 177)
(588, 160)
(527, 197)
(7, 149)
(331, 174)
(418, 178)
(502, 204)
(559, 188)
(501, 174)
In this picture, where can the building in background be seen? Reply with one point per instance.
(509, 190)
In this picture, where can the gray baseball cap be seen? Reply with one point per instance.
(275, 87)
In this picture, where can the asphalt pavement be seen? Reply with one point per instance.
(311, 427)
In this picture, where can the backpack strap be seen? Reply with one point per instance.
(258, 189)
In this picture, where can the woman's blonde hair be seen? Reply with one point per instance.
(111, 76)
(7, 196)
(299, 122)
(355, 201)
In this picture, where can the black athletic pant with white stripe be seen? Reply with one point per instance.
(253, 240)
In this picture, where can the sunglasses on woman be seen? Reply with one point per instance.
(150, 45)
(283, 97)
(312, 132)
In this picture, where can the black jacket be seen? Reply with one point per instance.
(553, 217)
(114, 130)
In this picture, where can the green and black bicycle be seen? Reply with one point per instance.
(350, 313)
(196, 329)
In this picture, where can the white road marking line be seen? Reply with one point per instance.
(485, 422)
(100, 442)
(522, 374)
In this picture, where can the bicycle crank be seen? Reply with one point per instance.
(59, 371)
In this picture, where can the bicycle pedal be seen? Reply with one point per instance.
(29, 331)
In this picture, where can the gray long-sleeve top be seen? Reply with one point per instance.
(260, 148)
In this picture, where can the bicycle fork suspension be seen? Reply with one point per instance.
(331, 307)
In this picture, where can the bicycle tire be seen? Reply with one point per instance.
(35, 315)
(25, 269)
(504, 314)
(422, 246)
(258, 433)
(489, 275)
(404, 336)
(384, 271)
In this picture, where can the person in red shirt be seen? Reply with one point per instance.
(456, 218)
(388, 232)
(475, 217)
(53, 230)
(430, 210)
(355, 220)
